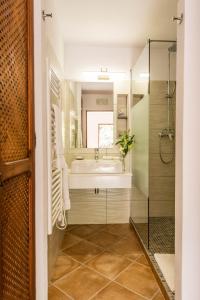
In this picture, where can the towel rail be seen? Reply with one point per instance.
(54, 174)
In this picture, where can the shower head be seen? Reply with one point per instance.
(172, 48)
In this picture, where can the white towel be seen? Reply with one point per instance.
(58, 130)
(60, 159)
(65, 184)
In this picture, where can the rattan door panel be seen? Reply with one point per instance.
(16, 151)
(13, 76)
(15, 238)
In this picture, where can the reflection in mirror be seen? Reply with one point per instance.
(99, 129)
(92, 115)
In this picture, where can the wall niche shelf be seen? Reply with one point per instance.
(122, 119)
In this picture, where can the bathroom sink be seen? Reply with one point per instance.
(91, 166)
(102, 174)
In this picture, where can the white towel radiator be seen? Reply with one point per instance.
(54, 174)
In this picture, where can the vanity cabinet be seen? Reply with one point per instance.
(87, 207)
(105, 206)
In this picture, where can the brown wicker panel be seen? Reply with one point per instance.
(13, 80)
(14, 240)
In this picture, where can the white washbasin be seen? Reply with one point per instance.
(91, 166)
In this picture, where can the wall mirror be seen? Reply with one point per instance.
(91, 115)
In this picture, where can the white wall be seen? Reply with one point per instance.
(142, 64)
(40, 154)
(55, 39)
(188, 155)
(47, 43)
(88, 58)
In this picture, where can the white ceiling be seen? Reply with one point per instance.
(115, 22)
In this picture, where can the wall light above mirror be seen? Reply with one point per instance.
(104, 76)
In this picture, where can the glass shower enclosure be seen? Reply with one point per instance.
(153, 123)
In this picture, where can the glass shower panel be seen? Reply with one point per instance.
(162, 100)
(140, 127)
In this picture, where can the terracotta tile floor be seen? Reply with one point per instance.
(103, 262)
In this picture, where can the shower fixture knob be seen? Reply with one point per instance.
(179, 20)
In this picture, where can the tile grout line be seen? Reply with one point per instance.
(113, 281)
(110, 280)
(66, 275)
(100, 248)
(132, 263)
(156, 293)
(83, 265)
(100, 272)
(93, 244)
(122, 236)
(63, 292)
(101, 289)
(138, 294)
(103, 250)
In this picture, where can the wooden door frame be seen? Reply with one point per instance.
(32, 141)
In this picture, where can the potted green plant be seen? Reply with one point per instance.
(125, 143)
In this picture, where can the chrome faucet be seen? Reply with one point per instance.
(96, 156)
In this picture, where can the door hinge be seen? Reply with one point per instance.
(44, 15)
(35, 140)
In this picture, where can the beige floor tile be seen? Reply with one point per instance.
(133, 256)
(109, 264)
(123, 258)
(139, 278)
(116, 292)
(83, 251)
(97, 227)
(69, 240)
(64, 265)
(83, 231)
(55, 294)
(103, 239)
(82, 283)
(142, 260)
(70, 227)
(159, 296)
(120, 229)
(129, 247)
